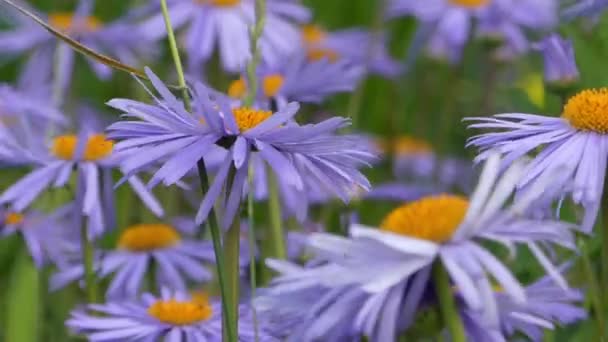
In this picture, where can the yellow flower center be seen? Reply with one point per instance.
(98, 147)
(219, 3)
(469, 3)
(313, 34)
(13, 218)
(433, 218)
(411, 146)
(148, 237)
(237, 89)
(247, 118)
(181, 313)
(272, 84)
(317, 54)
(66, 22)
(588, 110)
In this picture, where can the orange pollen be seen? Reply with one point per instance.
(98, 147)
(13, 218)
(588, 110)
(219, 3)
(176, 312)
(469, 3)
(272, 84)
(237, 89)
(433, 218)
(66, 22)
(247, 118)
(313, 34)
(317, 54)
(148, 237)
(411, 146)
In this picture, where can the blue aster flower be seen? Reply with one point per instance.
(225, 24)
(547, 306)
(173, 316)
(89, 155)
(119, 39)
(167, 132)
(176, 258)
(389, 267)
(573, 149)
(355, 45)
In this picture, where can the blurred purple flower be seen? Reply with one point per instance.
(354, 45)
(168, 131)
(560, 64)
(173, 316)
(574, 149)
(226, 24)
(118, 39)
(412, 238)
(90, 155)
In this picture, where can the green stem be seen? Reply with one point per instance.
(181, 79)
(252, 263)
(447, 305)
(255, 33)
(594, 288)
(232, 247)
(277, 236)
(212, 226)
(89, 271)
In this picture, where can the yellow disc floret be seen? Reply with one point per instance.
(219, 3)
(13, 218)
(317, 54)
(247, 118)
(148, 237)
(406, 146)
(588, 110)
(469, 3)
(181, 312)
(433, 218)
(98, 147)
(238, 89)
(313, 34)
(67, 22)
(272, 84)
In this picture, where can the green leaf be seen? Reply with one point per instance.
(23, 301)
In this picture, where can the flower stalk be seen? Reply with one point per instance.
(447, 305)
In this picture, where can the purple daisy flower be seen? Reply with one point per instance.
(560, 65)
(354, 45)
(573, 149)
(226, 23)
(89, 155)
(174, 316)
(168, 132)
(301, 80)
(176, 257)
(412, 237)
(44, 236)
(547, 305)
(118, 39)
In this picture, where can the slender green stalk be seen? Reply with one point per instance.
(447, 305)
(232, 247)
(252, 264)
(181, 79)
(89, 271)
(594, 290)
(255, 33)
(212, 226)
(277, 236)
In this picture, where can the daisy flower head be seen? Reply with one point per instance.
(355, 45)
(226, 23)
(561, 71)
(573, 149)
(118, 39)
(177, 258)
(548, 305)
(298, 79)
(393, 264)
(172, 316)
(89, 155)
(166, 131)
